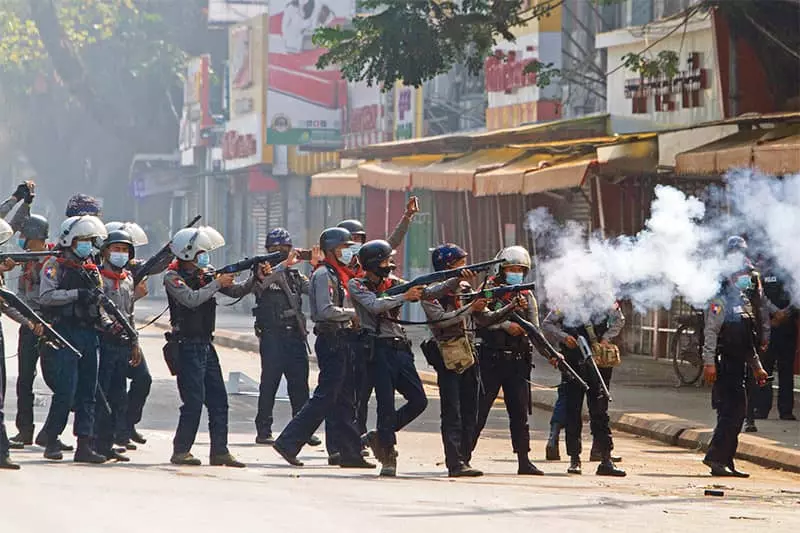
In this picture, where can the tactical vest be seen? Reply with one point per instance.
(75, 313)
(192, 323)
(775, 291)
(274, 308)
(498, 340)
(737, 335)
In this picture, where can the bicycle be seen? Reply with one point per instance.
(687, 348)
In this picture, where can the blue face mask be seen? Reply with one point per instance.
(514, 278)
(203, 260)
(21, 242)
(345, 256)
(83, 249)
(356, 248)
(119, 259)
(743, 282)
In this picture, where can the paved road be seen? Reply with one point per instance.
(664, 491)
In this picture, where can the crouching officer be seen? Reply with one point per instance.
(116, 351)
(599, 332)
(281, 328)
(71, 305)
(506, 358)
(32, 238)
(191, 288)
(729, 347)
(333, 399)
(392, 363)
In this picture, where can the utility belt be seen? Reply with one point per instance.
(332, 328)
(277, 329)
(171, 349)
(491, 352)
(392, 343)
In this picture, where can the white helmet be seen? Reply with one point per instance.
(85, 226)
(514, 255)
(187, 242)
(135, 230)
(5, 231)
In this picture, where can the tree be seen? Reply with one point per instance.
(414, 41)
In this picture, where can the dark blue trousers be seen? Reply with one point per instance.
(3, 435)
(200, 383)
(333, 401)
(393, 370)
(28, 358)
(139, 390)
(283, 353)
(73, 382)
(113, 369)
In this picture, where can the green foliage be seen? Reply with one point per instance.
(665, 63)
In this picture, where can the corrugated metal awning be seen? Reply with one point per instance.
(395, 174)
(458, 174)
(561, 175)
(338, 182)
(510, 178)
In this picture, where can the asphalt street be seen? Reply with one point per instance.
(663, 492)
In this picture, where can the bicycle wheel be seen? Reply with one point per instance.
(687, 361)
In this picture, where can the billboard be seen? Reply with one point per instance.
(305, 106)
(195, 114)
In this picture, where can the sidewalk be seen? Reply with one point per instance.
(646, 401)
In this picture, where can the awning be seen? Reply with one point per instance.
(338, 182)
(561, 175)
(395, 174)
(778, 157)
(458, 174)
(510, 178)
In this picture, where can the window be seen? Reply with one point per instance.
(641, 12)
(673, 7)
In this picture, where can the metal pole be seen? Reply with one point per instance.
(600, 210)
(469, 222)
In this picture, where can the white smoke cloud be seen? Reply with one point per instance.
(680, 252)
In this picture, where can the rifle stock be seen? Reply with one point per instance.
(442, 275)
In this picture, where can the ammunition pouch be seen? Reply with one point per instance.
(606, 355)
(171, 352)
(457, 354)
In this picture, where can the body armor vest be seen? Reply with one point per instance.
(274, 308)
(192, 323)
(77, 313)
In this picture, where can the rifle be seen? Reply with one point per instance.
(547, 350)
(24, 257)
(246, 264)
(158, 258)
(497, 292)
(587, 356)
(442, 275)
(108, 304)
(25, 310)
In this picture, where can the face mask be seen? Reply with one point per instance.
(743, 282)
(356, 248)
(118, 259)
(203, 260)
(21, 243)
(83, 249)
(514, 278)
(345, 256)
(384, 272)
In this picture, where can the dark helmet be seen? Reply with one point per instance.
(82, 204)
(373, 253)
(36, 227)
(120, 237)
(444, 255)
(736, 244)
(333, 237)
(278, 237)
(355, 227)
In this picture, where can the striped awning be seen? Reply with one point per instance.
(564, 174)
(458, 174)
(337, 182)
(510, 179)
(394, 174)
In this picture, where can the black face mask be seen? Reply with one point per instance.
(384, 272)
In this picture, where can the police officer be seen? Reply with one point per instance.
(116, 351)
(333, 399)
(139, 375)
(280, 327)
(782, 345)
(392, 364)
(729, 347)
(506, 359)
(68, 302)
(33, 238)
(5, 460)
(364, 385)
(192, 309)
(452, 326)
(601, 329)
(82, 204)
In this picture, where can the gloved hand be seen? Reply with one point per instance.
(22, 191)
(86, 297)
(29, 197)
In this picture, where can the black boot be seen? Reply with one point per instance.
(137, 437)
(86, 454)
(551, 452)
(464, 470)
(526, 467)
(370, 439)
(7, 464)
(21, 439)
(595, 455)
(335, 459)
(113, 455)
(389, 462)
(574, 465)
(750, 426)
(43, 441)
(607, 468)
(736, 473)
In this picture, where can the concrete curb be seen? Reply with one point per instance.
(659, 426)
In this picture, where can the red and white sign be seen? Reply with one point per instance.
(196, 114)
(241, 58)
(367, 122)
(505, 72)
(242, 142)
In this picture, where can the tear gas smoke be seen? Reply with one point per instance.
(679, 253)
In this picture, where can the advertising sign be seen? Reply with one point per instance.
(196, 114)
(241, 144)
(305, 106)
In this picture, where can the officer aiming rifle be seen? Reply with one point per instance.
(438, 277)
(158, 262)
